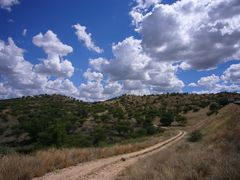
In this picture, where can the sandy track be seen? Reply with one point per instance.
(108, 168)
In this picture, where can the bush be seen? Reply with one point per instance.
(214, 106)
(195, 136)
(4, 150)
(223, 101)
(166, 119)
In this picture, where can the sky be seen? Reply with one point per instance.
(95, 50)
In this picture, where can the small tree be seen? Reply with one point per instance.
(166, 119)
(223, 101)
(213, 107)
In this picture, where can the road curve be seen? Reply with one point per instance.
(108, 168)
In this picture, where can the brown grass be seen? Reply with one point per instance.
(216, 157)
(18, 166)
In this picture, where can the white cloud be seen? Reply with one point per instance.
(24, 33)
(130, 71)
(232, 74)
(54, 65)
(98, 63)
(209, 81)
(19, 77)
(162, 77)
(86, 38)
(129, 62)
(214, 84)
(112, 89)
(140, 10)
(3, 89)
(7, 4)
(51, 44)
(201, 34)
(61, 86)
(17, 73)
(91, 91)
(192, 85)
(132, 64)
(144, 4)
(93, 76)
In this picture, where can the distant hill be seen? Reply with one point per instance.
(30, 123)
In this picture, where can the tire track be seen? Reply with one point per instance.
(108, 168)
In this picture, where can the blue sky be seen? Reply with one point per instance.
(149, 46)
(109, 23)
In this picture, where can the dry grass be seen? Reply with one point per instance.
(217, 157)
(195, 117)
(23, 167)
(194, 163)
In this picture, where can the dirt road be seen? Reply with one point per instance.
(108, 168)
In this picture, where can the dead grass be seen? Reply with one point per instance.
(195, 117)
(216, 157)
(24, 167)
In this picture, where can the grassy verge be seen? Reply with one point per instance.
(19, 166)
(215, 156)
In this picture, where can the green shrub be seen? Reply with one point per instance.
(223, 101)
(214, 106)
(166, 119)
(4, 150)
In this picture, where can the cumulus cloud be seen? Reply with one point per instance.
(7, 4)
(228, 81)
(93, 76)
(16, 72)
(98, 63)
(19, 77)
(209, 81)
(129, 61)
(130, 71)
(112, 89)
(86, 38)
(62, 86)
(54, 65)
(192, 85)
(232, 74)
(201, 34)
(144, 4)
(91, 91)
(51, 44)
(140, 10)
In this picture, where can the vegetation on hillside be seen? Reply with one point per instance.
(37, 122)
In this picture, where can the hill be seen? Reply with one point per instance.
(213, 156)
(31, 123)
